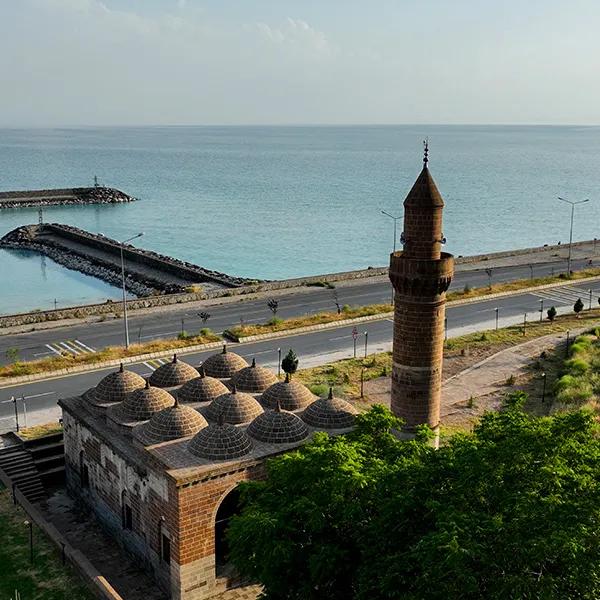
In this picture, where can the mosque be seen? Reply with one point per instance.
(159, 460)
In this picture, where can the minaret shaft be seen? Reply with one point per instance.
(420, 274)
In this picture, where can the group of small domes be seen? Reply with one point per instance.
(165, 417)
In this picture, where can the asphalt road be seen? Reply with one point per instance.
(91, 337)
(318, 347)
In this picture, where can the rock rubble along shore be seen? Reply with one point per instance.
(147, 273)
(88, 195)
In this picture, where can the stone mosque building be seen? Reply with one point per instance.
(159, 461)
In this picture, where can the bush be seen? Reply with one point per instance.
(551, 313)
(183, 335)
(577, 366)
(275, 321)
(205, 331)
(578, 306)
(319, 389)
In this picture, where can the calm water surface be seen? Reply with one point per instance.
(279, 202)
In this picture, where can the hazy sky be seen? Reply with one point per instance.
(92, 62)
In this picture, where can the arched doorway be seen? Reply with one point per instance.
(228, 508)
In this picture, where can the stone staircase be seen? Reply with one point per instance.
(17, 463)
(48, 456)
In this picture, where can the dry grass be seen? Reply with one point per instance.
(519, 284)
(38, 431)
(277, 324)
(344, 375)
(110, 353)
(46, 578)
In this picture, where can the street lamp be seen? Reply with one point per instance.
(395, 219)
(123, 282)
(573, 204)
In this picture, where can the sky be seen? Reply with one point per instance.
(178, 62)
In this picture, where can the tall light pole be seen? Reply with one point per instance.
(573, 204)
(124, 290)
(395, 219)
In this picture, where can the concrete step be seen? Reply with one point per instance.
(18, 465)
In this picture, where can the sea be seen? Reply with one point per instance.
(276, 202)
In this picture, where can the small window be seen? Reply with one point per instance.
(85, 476)
(165, 549)
(127, 517)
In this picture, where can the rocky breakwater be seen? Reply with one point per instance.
(147, 273)
(88, 195)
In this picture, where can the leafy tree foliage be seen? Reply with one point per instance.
(289, 364)
(509, 511)
(578, 307)
(551, 312)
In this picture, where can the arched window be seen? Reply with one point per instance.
(126, 512)
(84, 472)
(228, 508)
(164, 542)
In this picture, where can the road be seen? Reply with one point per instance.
(90, 337)
(314, 348)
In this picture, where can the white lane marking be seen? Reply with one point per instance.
(70, 348)
(42, 353)
(84, 346)
(339, 337)
(149, 366)
(53, 349)
(28, 397)
(153, 335)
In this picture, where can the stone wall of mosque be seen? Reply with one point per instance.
(136, 507)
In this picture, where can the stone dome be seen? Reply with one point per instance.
(220, 441)
(330, 413)
(278, 427)
(224, 364)
(234, 407)
(116, 386)
(177, 421)
(290, 394)
(141, 405)
(173, 374)
(253, 379)
(201, 389)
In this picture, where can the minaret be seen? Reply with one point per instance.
(420, 274)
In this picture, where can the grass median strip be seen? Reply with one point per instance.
(43, 579)
(56, 363)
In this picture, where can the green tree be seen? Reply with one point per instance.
(578, 306)
(551, 313)
(12, 354)
(289, 364)
(509, 511)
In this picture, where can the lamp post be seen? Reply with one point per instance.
(543, 387)
(541, 309)
(496, 309)
(278, 363)
(366, 342)
(124, 290)
(30, 525)
(573, 204)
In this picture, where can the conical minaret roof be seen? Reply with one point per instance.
(424, 192)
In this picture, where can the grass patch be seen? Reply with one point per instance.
(38, 431)
(277, 324)
(47, 578)
(54, 363)
(344, 375)
(514, 334)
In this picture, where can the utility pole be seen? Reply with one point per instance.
(126, 324)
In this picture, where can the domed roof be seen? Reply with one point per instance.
(140, 405)
(224, 364)
(234, 407)
(116, 386)
(254, 379)
(330, 413)
(172, 374)
(201, 389)
(278, 427)
(177, 421)
(220, 441)
(290, 394)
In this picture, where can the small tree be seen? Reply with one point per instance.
(488, 272)
(12, 354)
(273, 305)
(336, 301)
(578, 306)
(551, 312)
(290, 363)
(204, 316)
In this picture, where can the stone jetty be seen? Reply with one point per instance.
(87, 195)
(147, 272)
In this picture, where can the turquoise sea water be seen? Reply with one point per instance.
(279, 202)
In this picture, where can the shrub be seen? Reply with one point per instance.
(205, 331)
(275, 321)
(511, 380)
(577, 366)
(551, 313)
(578, 306)
(319, 389)
(183, 335)
(290, 363)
